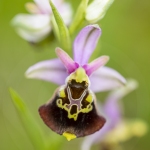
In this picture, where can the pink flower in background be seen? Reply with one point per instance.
(72, 109)
(117, 129)
(36, 26)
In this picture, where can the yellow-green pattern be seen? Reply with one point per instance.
(75, 97)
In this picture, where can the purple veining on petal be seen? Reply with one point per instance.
(85, 43)
(106, 78)
(49, 70)
(70, 65)
(96, 64)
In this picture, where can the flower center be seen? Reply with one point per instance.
(75, 97)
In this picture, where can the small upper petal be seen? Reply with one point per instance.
(85, 43)
(70, 65)
(49, 70)
(106, 78)
(96, 64)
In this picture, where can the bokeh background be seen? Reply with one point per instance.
(125, 38)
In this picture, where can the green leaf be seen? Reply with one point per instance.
(63, 30)
(39, 140)
(33, 130)
(79, 16)
(55, 28)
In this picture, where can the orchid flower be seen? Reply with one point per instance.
(117, 129)
(36, 26)
(72, 109)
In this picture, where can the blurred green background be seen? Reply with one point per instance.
(125, 38)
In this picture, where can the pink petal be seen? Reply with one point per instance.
(85, 43)
(96, 64)
(49, 70)
(67, 61)
(106, 78)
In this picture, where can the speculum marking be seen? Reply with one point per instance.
(75, 106)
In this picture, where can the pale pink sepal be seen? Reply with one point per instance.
(111, 106)
(111, 109)
(67, 61)
(105, 79)
(85, 43)
(95, 64)
(49, 70)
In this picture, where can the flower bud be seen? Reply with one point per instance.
(97, 9)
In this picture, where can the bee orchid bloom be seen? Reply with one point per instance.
(72, 109)
(36, 26)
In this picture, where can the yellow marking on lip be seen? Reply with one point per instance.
(73, 116)
(59, 103)
(62, 93)
(79, 76)
(69, 136)
(67, 107)
(87, 109)
(89, 98)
